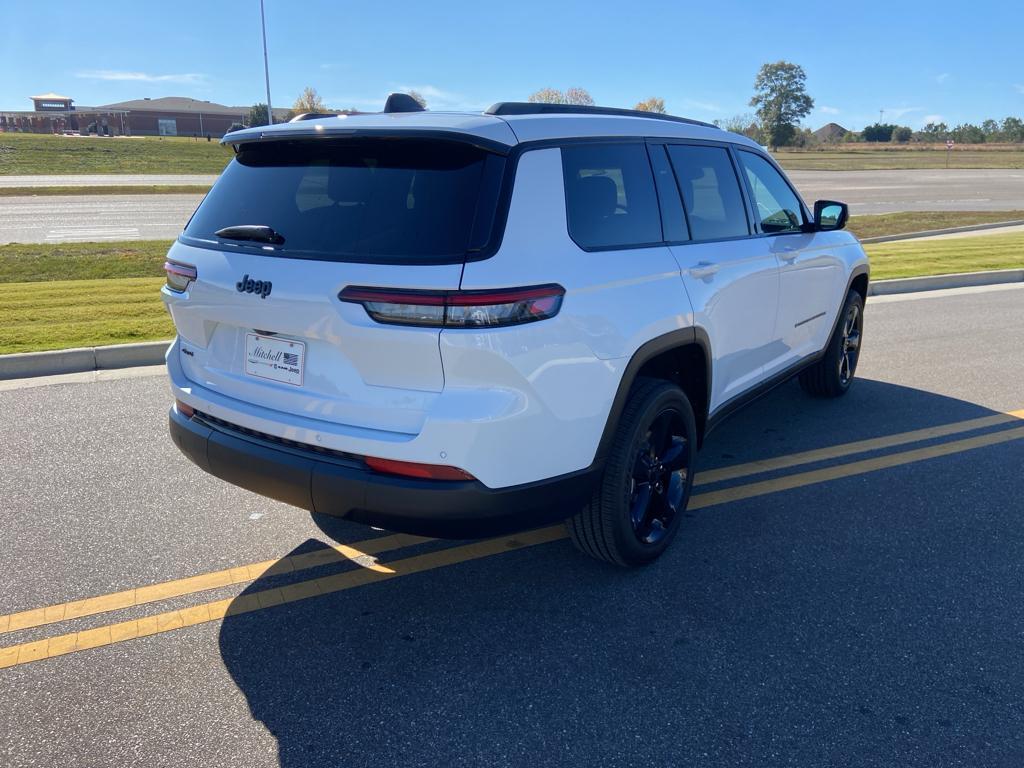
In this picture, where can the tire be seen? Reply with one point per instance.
(833, 374)
(651, 458)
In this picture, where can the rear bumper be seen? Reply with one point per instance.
(346, 488)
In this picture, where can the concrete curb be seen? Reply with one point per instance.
(941, 282)
(81, 359)
(947, 231)
(26, 364)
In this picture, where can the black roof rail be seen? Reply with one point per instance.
(312, 116)
(529, 108)
(402, 102)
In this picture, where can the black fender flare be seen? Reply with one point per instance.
(682, 337)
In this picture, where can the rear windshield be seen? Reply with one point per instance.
(375, 200)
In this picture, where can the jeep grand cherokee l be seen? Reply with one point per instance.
(464, 324)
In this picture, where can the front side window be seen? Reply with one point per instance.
(777, 207)
(711, 192)
(609, 195)
(367, 200)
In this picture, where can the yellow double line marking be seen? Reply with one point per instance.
(255, 601)
(736, 493)
(848, 449)
(360, 553)
(372, 571)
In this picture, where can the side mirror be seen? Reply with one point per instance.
(830, 215)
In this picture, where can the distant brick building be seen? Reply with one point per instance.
(168, 116)
(52, 102)
(180, 116)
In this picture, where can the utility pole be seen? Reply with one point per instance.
(881, 112)
(266, 66)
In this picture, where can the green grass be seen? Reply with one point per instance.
(55, 296)
(903, 223)
(912, 258)
(146, 189)
(28, 153)
(37, 262)
(859, 157)
(81, 313)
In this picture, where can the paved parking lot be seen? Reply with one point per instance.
(846, 590)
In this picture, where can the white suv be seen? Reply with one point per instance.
(466, 324)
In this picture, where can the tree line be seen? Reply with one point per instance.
(309, 101)
(781, 102)
(1009, 130)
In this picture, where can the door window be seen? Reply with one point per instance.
(775, 203)
(610, 197)
(711, 192)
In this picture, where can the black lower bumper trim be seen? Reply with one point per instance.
(312, 481)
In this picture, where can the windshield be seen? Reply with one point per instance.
(356, 200)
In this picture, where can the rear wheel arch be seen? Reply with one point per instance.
(682, 357)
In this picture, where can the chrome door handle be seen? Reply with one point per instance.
(704, 269)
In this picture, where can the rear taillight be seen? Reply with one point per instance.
(179, 275)
(414, 469)
(184, 409)
(458, 309)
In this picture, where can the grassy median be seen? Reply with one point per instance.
(877, 225)
(81, 313)
(113, 189)
(27, 153)
(81, 294)
(30, 154)
(881, 157)
(55, 296)
(913, 258)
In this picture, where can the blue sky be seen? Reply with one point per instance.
(917, 61)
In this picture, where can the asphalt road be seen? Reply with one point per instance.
(931, 190)
(107, 180)
(868, 615)
(94, 218)
(129, 217)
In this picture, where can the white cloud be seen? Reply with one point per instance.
(1018, 87)
(704, 106)
(190, 78)
(828, 110)
(932, 119)
(940, 79)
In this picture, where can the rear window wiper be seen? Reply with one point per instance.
(258, 232)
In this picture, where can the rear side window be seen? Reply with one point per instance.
(711, 192)
(363, 200)
(609, 195)
(776, 205)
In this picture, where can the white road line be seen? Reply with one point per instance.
(94, 233)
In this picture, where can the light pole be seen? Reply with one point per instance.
(266, 67)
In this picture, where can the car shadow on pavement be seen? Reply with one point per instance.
(869, 620)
